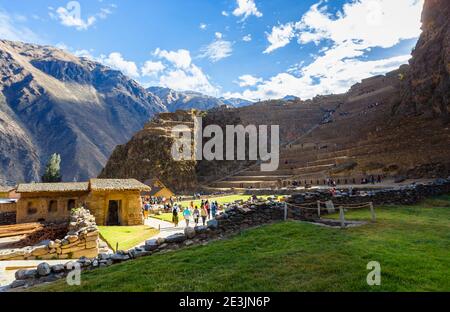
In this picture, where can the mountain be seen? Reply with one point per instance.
(290, 98)
(186, 100)
(54, 102)
(235, 102)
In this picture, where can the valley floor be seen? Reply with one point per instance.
(412, 245)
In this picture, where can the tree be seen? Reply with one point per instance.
(53, 170)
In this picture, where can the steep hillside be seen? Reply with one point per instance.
(56, 102)
(148, 154)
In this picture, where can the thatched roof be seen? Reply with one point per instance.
(53, 187)
(6, 189)
(117, 185)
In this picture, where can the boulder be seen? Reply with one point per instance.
(176, 238)
(18, 283)
(151, 245)
(44, 269)
(201, 229)
(118, 257)
(20, 275)
(58, 268)
(189, 232)
(161, 240)
(213, 224)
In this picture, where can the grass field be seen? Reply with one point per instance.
(412, 244)
(222, 200)
(167, 217)
(127, 236)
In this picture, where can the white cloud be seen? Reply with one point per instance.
(70, 15)
(203, 26)
(11, 29)
(248, 81)
(225, 13)
(218, 35)
(217, 50)
(349, 35)
(181, 58)
(152, 68)
(116, 61)
(246, 8)
(280, 36)
(179, 73)
(247, 38)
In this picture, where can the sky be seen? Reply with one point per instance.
(251, 49)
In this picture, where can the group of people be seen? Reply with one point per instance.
(193, 213)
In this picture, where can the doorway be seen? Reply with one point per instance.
(113, 213)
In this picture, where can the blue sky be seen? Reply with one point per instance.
(255, 49)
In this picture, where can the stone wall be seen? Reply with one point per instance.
(408, 195)
(81, 240)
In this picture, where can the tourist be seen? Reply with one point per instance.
(213, 210)
(146, 210)
(196, 215)
(204, 214)
(175, 219)
(208, 208)
(187, 216)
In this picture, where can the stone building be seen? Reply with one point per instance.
(111, 201)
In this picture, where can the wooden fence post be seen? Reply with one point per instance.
(318, 208)
(372, 211)
(342, 217)
(285, 211)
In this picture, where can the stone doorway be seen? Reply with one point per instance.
(113, 212)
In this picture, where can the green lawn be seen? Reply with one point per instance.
(222, 199)
(412, 244)
(127, 236)
(167, 217)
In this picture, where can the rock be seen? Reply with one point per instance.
(30, 274)
(18, 283)
(117, 257)
(188, 243)
(161, 240)
(151, 245)
(58, 268)
(213, 224)
(39, 251)
(44, 269)
(71, 238)
(176, 238)
(189, 232)
(20, 275)
(200, 229)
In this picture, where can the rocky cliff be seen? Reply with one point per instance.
(427, 84)
(54, 102)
